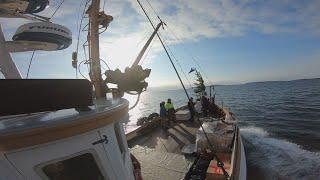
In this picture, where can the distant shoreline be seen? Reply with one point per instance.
(248, 83)
(306, 79)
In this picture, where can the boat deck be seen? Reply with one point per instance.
(157, 165)
(171, 140)
(159, 151)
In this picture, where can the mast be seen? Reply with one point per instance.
(94, 56)
(7, 66)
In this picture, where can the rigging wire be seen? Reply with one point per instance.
(147, 53)
(190, 54)
(154, 11)
(174, 57)
(79, 32)
(180, 39)
(79, 14)
(138, 44)
(219, 162)
(31, 59)
(144, 38)
(157, 14)
(104, 4)
(164, 47)
(196, 62)
(179, 64)
(57, 9)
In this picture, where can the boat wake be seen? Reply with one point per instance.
(277, 158)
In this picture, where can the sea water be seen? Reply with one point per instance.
(279, 122)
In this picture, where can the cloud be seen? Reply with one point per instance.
(194, 20)
(190, 21)
(207, 18)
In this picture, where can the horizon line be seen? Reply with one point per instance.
(178, 86)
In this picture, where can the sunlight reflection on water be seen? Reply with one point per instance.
(149, 103)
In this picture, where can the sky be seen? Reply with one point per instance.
(228, 41)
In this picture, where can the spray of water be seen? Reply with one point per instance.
(278, 158)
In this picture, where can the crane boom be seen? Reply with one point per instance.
(143, 50)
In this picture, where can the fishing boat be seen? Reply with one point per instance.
(174, 152)
(69, 130)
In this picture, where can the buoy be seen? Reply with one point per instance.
(44, 32)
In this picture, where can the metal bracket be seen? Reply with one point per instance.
(104, 140)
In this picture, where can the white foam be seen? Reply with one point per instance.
(252, 130)
(279, 158)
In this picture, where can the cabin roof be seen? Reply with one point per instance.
(31, 129)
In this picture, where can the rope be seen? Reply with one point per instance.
(81, 20)
(103, 31)
(136, 103)
(31, 59)
(79, 32)
(79, 69)
(57, 9)
(105, 63)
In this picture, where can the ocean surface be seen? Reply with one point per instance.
(279, 122)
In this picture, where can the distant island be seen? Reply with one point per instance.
(177, 87)
(295, 80)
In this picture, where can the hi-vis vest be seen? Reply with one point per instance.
(168, 106)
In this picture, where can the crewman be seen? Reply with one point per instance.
(205, 105)
(163, 111)
(163, 116)
(191, 108)
(170, 110)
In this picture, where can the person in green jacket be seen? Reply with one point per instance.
(168, 105)
(170, 110)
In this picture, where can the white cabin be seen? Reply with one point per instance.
(66, 144)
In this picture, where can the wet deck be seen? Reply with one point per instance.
(171, 140)
(157, 165)
(159, 151)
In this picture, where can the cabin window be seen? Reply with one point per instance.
(119, 139)
(82, 167)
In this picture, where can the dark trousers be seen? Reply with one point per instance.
(191, 114)
(205, 112)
